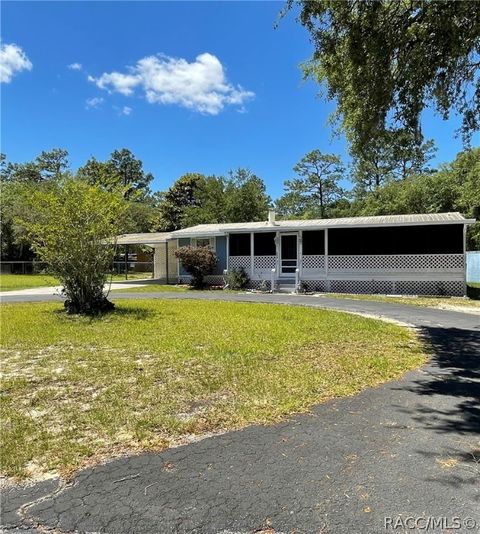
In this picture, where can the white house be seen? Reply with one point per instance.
(393, 254)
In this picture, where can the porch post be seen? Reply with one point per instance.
(327, 281)
(300, 252)
(252, 267)
(166, 260)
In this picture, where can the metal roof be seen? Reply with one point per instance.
(143, 239)
(303, 224)
(204, 230)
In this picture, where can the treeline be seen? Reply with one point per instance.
(385, 181)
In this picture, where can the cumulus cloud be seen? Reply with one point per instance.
(94, 103)
(201, 85)
(12, 60)
(75, 66)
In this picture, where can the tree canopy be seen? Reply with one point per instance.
(385, 61)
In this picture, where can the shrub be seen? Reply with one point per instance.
(71, 226)
(265, 286)
(198, 262)
(237, 278)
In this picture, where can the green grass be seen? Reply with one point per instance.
(76, 390)
(13, 282)
(424, 302)
(151, 288)
(474, 284)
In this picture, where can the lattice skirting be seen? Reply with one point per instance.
(405, 287)
(315, 285)
(407, 262)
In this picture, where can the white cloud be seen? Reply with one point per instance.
(94, 103)
(12, 60)
(75, 66)
(200, 86)
(126, 110)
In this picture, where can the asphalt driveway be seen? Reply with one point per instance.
(395, 455)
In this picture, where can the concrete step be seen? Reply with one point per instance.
(286, 288)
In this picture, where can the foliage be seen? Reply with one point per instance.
(385, 62)
(246, 199)
(49, 165)
(394, 155)
(70, 227)
(198, 262)
(128, 384)
(237, 278)
(123, 173)
(316, 189)
(197, 199)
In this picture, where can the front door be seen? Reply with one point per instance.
(288, 255)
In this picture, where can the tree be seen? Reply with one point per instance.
(52, 163)
(394, 155)
(385, 61)
(49, 165)
(122, 172)
(246, 198)
(134, 180)
(198, 262)
(198, 199)
(316, 188)
(72, 227)
(173, 203)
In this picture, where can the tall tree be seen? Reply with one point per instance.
(246, 198)
(394, 155)
(134, 180)
(316, 188)
(52, 163)
(174, 202)
(385, 61)
(122, 172)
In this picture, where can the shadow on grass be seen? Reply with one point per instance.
(131, 312)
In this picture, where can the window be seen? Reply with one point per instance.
(428, 239)
(204, 242)
(239, 245)
(264, 244)
(313, 242)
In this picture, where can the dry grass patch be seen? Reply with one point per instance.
(157, 372)
(443, 303)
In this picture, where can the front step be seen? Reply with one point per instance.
(286, 288)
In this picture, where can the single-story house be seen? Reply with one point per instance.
(392, 254)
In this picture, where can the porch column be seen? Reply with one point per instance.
(300, 252)
(252, 267)
(327, 281)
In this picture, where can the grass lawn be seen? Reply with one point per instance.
(426, 302)
(13, 282)
(151, 288)
(153, 373)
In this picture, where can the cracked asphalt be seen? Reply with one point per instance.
(407, 449)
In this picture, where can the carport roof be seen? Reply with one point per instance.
(153, 238)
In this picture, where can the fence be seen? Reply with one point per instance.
(473, 266)
(132, 269)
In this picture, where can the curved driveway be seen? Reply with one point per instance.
(406, 453)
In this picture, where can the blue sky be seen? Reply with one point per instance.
(187, 86)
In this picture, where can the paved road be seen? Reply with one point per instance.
(409, 448)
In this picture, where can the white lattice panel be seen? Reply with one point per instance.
(428, 287)
(263, 263)
(404, 262)
(235, 262)
(315, 285)
(313, 262)
(361, 286)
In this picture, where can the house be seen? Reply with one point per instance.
(392, 254)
